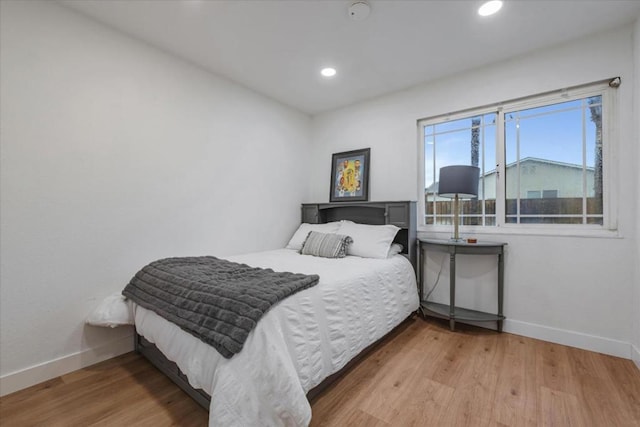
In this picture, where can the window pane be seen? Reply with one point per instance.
(552, 154)
(511, 158)
(452, 126)
(488, 161)
(552, 108)
(468, 141)
(594, 220)
(550, 220)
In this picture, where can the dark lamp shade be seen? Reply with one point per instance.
(460, 180)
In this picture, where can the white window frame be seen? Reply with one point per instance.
(609, 173)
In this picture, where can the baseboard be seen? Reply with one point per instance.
(55, 368)
(635, 355)
(572, 339)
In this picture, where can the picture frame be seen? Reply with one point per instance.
(350, 176)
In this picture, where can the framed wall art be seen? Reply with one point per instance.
(350, 176)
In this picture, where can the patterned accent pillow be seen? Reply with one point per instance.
(326, 245)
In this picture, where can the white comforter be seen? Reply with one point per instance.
(298, 343)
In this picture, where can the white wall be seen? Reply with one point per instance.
(636, 114)
(115, 154)
(565, 289)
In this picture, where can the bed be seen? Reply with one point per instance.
(305, 341)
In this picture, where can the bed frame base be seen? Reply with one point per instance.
(171, 370)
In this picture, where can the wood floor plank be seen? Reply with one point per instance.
(422, 375)
(555, 369)
(358, 417)
(423, 403)
(515, 399)
(624, 376)
(389, 382)
(558, 408)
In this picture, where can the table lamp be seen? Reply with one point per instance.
(458, 182)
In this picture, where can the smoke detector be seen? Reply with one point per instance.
(359, 10)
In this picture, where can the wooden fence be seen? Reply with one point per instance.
(546, 210)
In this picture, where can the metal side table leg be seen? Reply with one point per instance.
(500, 288)
(452, 291)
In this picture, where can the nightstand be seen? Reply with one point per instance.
(450, 311)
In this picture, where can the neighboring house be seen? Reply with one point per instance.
(539, 178)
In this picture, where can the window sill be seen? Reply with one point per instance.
(519, 230)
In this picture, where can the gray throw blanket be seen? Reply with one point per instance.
(216, 300)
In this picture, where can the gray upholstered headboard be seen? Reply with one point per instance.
(401, 214)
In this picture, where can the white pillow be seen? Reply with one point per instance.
(369, 241)
(395, 249)
(114, 310)
(303, 231)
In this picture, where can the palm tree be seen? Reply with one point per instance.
(596, 118)
(475, 141)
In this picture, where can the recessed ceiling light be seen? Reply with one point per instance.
(359, 10)
(490, 7)
(328, 72)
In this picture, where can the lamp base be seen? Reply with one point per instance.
(458, 240)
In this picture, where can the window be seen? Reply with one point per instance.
(466, 141)
(541, 160)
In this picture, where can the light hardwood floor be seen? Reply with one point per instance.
(422, 375)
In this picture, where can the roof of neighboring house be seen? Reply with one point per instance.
(543, 161)
(433, 188)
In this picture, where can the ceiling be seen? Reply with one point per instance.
(277, 48)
